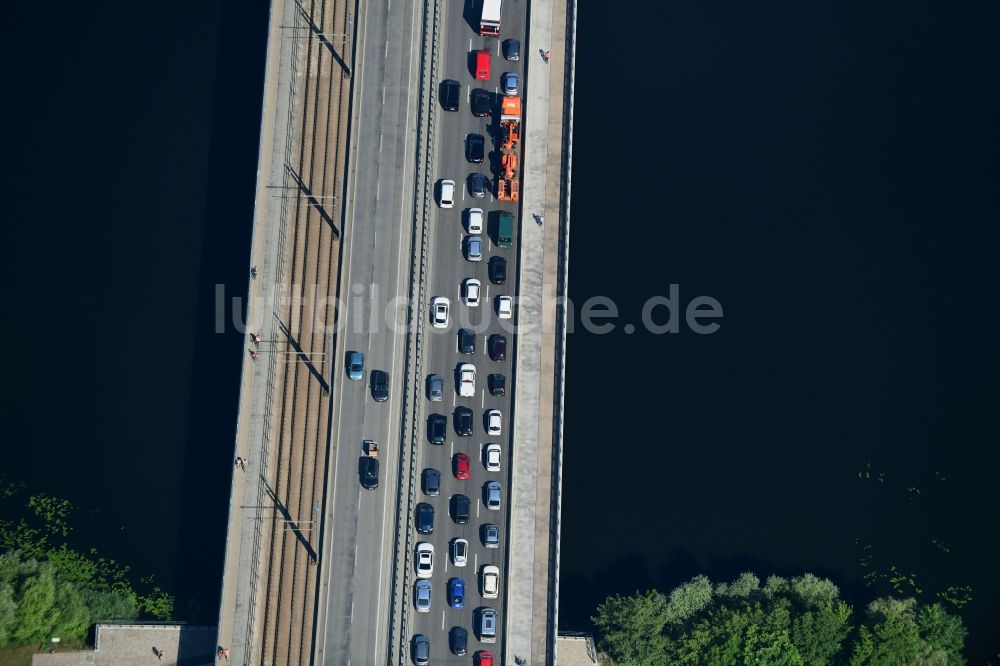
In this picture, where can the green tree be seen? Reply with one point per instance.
(943, 631)
(34, 607)
(769, 647)
(8, 612)
(110, 605)
(631, 628)
(799, 621)
(819, 633)
(71, 616)
(688, 599)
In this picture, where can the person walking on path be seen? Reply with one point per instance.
(224, 652)
(256, 338)
(545, 56)
(159, 655)
(254, 354)
(241, 463)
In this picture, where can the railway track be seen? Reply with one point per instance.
(295, 479)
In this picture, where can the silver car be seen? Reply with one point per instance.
(509, 83)
(474, 248)
(435, 388)
(422, 596)
(491, 494)
(491, 535)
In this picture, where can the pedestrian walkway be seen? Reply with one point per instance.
(532, 586)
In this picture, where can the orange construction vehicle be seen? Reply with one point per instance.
(508, 184)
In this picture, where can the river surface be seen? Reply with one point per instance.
(828, 173)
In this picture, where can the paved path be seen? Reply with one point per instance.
(533, 560)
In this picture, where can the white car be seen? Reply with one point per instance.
(425, 559)
(493, 419)
(447, 199)
(439, 311)
(505, 307)
(470, 289)
(467, 380)
(474, 222)
(490, 581)
(459, 552)
(491, 457)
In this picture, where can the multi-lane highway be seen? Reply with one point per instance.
(447, 269)
(358, 568)
(353, 626)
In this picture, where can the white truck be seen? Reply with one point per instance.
(489, 22)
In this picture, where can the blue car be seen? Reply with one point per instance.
(456, 592)
(355, 365)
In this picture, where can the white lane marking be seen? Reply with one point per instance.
(352, 614)
(475, 562)
(470, 43)
(380, 143)
(386, 54)
(452, 449)
(402, 215)
(453, 398)
(378, 189)
(383, 95)
(498, 47)
(477, 509)
(487, 293)
(482, 403)
(442, 619)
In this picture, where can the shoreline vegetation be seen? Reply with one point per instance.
(50, 588)
(799, 621)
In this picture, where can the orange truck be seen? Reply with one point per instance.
(508, 184)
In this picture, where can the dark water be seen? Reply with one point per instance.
(830, 174)
(129, 164)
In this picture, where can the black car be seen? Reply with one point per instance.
(466, 341)
(368, 471)
(463, 421)
(475, 147)
(480, 102)
(460, 509)
(458, 640)
(498, 270)
(430, 479)
(478, 185)
(380, 385)
(437, 428)
(512, 49)
(498, 347)
(451, 90)
(498, 384)
(425, 518)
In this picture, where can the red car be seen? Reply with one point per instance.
(482, 65)
(484, 658)
(461, 464)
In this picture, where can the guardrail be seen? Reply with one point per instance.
(272, 359)
(414, 356)
(562, 290)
